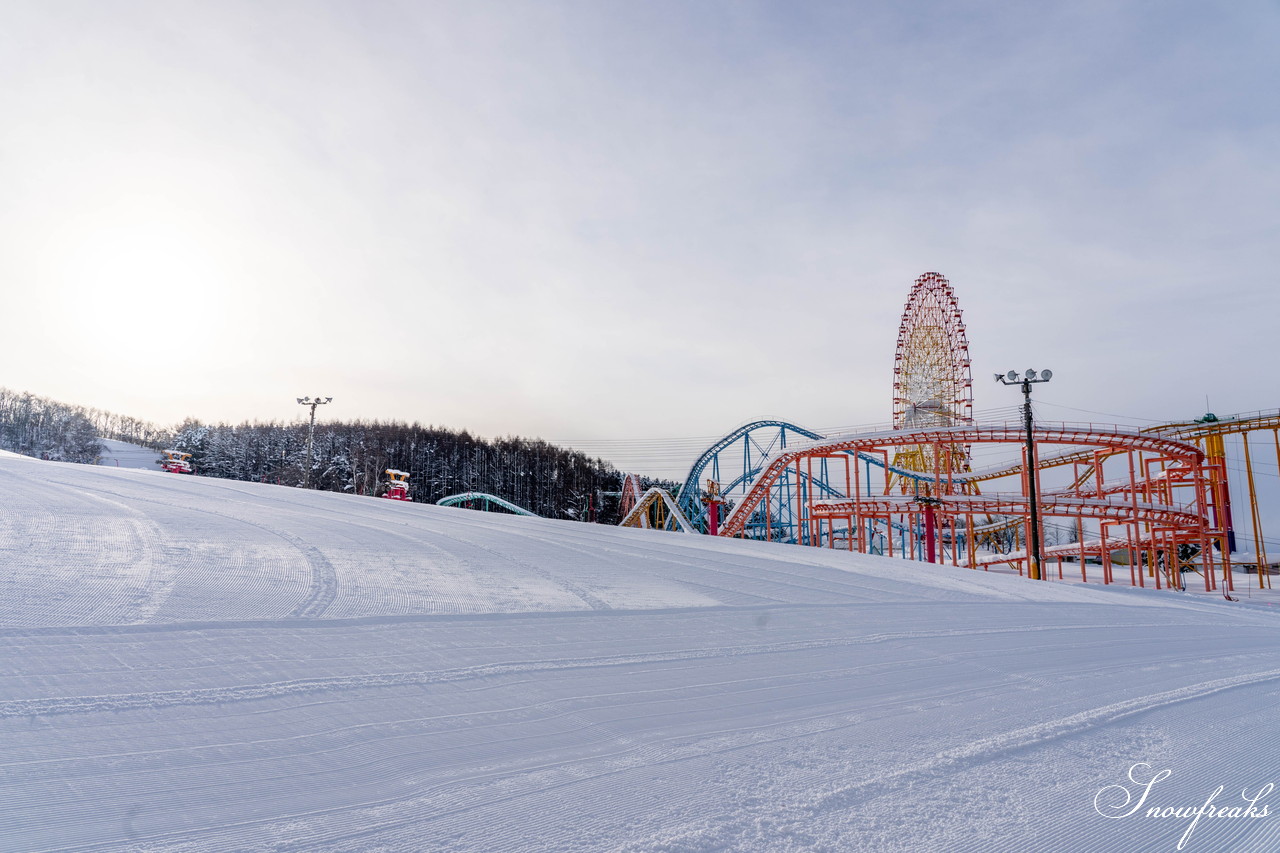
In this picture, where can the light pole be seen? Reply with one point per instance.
(1033, 535)
(311, 433)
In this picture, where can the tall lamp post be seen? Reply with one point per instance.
(1033, 535)
(311, 432)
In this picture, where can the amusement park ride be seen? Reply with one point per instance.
(656, 508)
(1154, 501)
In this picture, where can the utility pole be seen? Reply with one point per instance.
(1033, 535)
(311, 433)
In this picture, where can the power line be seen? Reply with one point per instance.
(1104, 414)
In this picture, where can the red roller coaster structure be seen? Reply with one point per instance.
(1151, 496)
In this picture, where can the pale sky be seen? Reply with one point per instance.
(634, 220)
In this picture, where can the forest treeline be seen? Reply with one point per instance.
(47, 429)
(353, 457)
(350, 457)
(44, 428)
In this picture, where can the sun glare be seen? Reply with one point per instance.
(146, 295)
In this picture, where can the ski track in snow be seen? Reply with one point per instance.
(323, 587)
(195, 664)
(241, 693)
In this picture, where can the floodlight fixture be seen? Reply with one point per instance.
(1015, 378)
(311, 432)
(1028, 379)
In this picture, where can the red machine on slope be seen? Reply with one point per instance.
(175, 462)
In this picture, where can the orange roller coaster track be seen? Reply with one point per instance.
(1150, 495)
(1208, 434)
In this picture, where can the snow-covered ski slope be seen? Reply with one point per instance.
(193, 664)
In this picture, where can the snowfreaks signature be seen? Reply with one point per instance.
(1117, 801)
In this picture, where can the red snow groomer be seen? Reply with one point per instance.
(397, 486)
(175, 462)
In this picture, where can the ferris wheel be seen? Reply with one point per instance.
(932, 383)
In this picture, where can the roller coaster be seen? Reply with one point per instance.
(733, 463)
(1156, 504)
(1154, 501)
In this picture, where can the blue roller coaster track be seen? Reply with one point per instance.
(738, 458)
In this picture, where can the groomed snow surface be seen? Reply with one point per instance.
(195, 664)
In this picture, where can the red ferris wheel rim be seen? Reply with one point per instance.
(932, 380)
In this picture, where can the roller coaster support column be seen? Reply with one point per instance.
(1033, 535)
(1215, 449)
(930, 527)
(713, 502)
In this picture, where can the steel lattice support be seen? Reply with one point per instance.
(734, 462)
